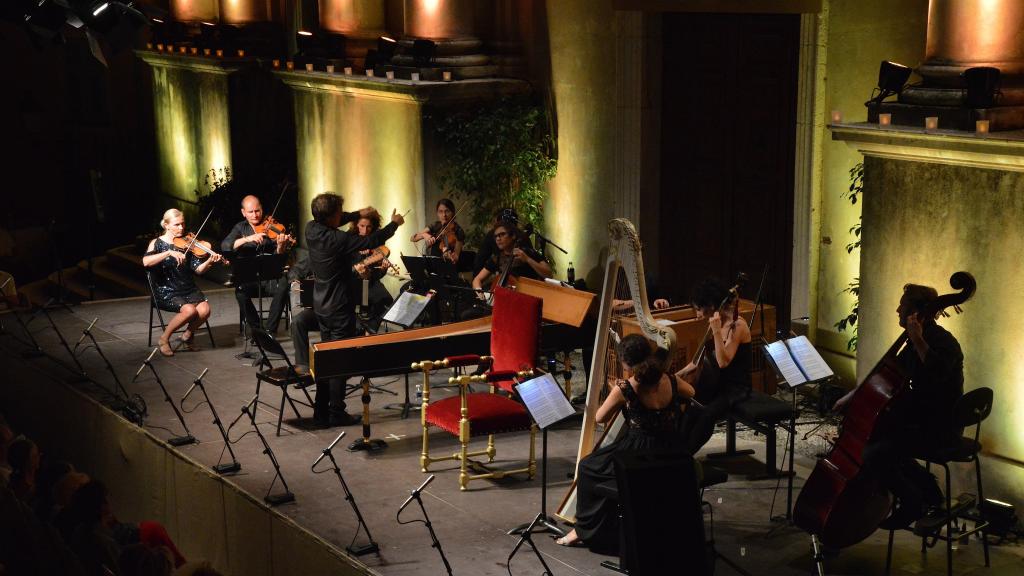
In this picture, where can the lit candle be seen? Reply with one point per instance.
(330, 68)
(183, 49)
(149, 45)
(241, 53)
(194, 51)
(884, 119)
(369, 72)
(415, 77)
(837, 117)
(347, 70)
(931, 123)
(220, 53)
(446, 76)
(206, 51)
(309, 67)
(170, 48)
(289, 65)
(390, 74)
(159, 47)
(276, 63)
(981, 126)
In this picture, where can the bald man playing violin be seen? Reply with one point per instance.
(248, 239)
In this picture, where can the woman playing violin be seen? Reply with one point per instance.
(729, 350)
(174, 288)
(512, 258)
(445, 238)
(379, 298)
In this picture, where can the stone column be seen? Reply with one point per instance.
(968, 33)
(241, 12)
(452, 25)
(195, 10)
(362, 22)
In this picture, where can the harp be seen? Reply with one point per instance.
(626, 255)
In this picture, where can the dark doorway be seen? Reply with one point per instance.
(728, 140)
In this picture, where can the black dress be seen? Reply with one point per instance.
(173, 285)
(645, 429)
(732, 385)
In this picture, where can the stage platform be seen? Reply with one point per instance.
(471, 525)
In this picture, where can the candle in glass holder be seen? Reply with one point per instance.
(309, 67)
(276, 63)
(884, 119)
(149, 45)
(390, 74)
(837, 117)
(170, 48)
(289, 65)
(347, 70)
(206, 51)
(369, 72)
(241, 53)
(446, 76)
(159, 47)
(330, 68)
(931, 123)
(183, 49)
(194, 51)
(415, 77)
(981, 126)
(220, 53)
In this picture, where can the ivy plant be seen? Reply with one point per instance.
(850, 320)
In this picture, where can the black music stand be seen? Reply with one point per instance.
(258, 269)
(548, 406)
(433, 273)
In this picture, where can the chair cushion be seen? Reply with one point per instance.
(760, 407)
(488, 414)
(282, 376)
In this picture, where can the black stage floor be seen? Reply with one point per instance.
(471, 525)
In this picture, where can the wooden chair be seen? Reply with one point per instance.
(280, 376)
(515, 330)
(160, 317)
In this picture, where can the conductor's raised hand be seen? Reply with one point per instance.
(397, 218)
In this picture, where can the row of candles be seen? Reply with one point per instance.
(193, 50)
(930, 122)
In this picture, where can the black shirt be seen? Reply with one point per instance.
(937, 382)
(331, 253)
(488, 248)
(435, 248)
(521, 269)
(242, 229)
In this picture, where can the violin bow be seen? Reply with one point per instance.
(195, 235)
(280, 197)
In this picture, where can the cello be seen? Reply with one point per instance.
(840, 504)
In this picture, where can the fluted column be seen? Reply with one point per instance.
(968, 33)
(195, 10)
(240, 12)
(362, 22)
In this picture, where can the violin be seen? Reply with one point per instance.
(272, 228)
(199, 248)
(375, 256)
(842, 504)
(447, 238)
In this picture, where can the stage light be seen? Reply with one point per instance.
(891, 79)
(386, 47)
(982, 86)
(423, 51)
(99, 10)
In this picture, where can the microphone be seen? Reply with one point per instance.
(84, 334)
(415, 493)
(328, 449)
(145, 363)
(194, 382)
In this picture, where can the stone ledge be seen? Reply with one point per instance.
(223, 65)
(423, 92)
(999, 150)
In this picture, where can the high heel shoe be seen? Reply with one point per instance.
(187, 339)
(165, 348)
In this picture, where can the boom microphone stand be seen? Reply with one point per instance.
(188, 438)
(234, 466)
(272, 499)
(81, 375)
(415, 494)
(352, 548)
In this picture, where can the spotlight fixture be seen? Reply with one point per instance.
(891, 79)
(386, 47)
(982, 86)
(46, 19)
(423, 51)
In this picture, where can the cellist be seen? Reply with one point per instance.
(935, 362)
(512, 258)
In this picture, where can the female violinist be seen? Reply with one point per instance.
(728, 350)
(512, 259)
(445, 238)
(174, 288)
(379, 298)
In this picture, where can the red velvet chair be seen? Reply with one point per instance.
(515, 331)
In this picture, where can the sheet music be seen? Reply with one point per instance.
(407, 308)
(812, 364)
(784, 362)
(545, 400)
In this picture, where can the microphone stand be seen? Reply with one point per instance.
(272, 499)
(548, 241)
(188, 438)
(435, 543)
(234, 466)
(372, 547)
(110, 367)
(81, 376)
(525, 537)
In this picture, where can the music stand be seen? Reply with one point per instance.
(433, 273)
(547, 404)
(258, 268)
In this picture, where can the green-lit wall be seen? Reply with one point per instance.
(856, 41)
(582, 39)
(192, 128)
(368, 149)
(922, 223)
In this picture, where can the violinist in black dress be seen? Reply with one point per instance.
(655, 407)
(174, 288)
(444, 238)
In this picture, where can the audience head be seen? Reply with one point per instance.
(23, 457)
(637, 354)
(326, 207)
(89, 504)
(64, 489)
(141, 560)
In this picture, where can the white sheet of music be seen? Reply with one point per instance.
(545, 400)
(784, 362)
(812, 364)
(406, 309)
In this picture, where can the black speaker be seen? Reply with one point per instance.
(662, 526)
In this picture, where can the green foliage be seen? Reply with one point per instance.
(850, 320)
(496, 156)
(224, 197)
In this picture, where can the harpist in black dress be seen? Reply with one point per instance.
(654, 405)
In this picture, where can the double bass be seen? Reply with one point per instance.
(841, 504)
